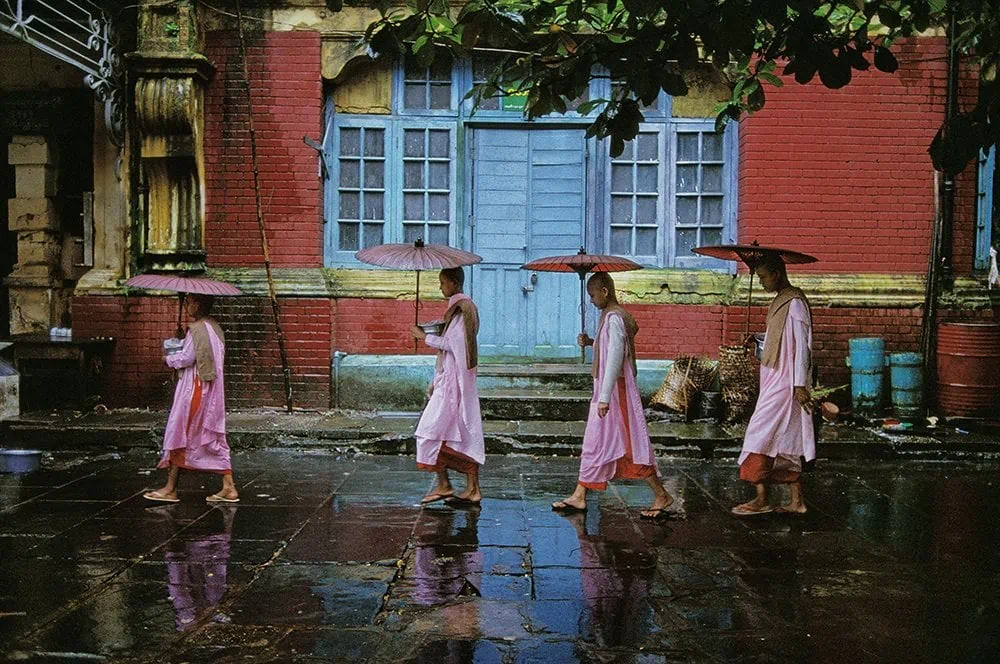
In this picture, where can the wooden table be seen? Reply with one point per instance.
(86, 353)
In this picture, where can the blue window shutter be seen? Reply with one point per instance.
(984, 210)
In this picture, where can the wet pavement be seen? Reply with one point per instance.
(330, 558)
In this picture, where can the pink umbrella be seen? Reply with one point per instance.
(182, 285)
(417, 256)
(581, 263)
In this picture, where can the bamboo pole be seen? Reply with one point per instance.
(275, 308)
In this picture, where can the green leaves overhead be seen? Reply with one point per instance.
(551, 49)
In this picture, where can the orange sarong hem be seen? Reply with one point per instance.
(179, 458)
(625, 468)
(449, 458)
(761, 469)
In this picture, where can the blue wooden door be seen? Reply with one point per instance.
(528, 201)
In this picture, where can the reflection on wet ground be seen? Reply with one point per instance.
(331, 559)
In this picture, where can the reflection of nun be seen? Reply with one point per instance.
(450, 563)
(616, 596)
(196, 576)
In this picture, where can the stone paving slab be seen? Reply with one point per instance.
(329, 557)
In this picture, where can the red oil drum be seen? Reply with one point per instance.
(968, 369)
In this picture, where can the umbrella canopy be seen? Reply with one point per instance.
(417, 256)
(182, 285)
(581, 263)
(752, 254)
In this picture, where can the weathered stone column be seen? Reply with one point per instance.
(38, 298)
(169, 91)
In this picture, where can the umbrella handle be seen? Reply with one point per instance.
(583, 314)
(749, 295)
(416, 310)
(180, 313)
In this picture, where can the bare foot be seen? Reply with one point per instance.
(570, 504)
(755, 506)
(229, 493)
(439, 492)
(470, 496)
(659, 506)
(792, 508)
(161, 496)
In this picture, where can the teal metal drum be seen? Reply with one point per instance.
(867, 362)
(907, 384)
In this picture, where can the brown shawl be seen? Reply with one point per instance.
(466, 308)
(631, 329)
(205, 359)
(777, 315)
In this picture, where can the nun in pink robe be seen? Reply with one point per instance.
(616, 441)
(195, 436)
(450, 431)
(780, 433)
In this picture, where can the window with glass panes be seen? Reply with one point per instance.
(427, 185)
(635, 195)
(361, 190)
(427, 88)
(699, 190)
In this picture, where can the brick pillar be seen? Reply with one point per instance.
(38, 298)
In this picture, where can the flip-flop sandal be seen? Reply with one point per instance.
(662, 513)
(435, 497)
(159, 497)
(458, 500)
(216, 498)
(736, 511)
(563, 506)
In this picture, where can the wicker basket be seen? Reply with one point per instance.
(739, 380)
(687, 376)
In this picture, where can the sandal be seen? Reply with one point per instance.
(219, 498)
(563, 506)
(458, 500)
(435, 497)
(740, 510)
(158, 497)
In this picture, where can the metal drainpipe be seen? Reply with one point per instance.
(948, 190)
(338, 355)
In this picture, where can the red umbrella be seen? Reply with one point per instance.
(182, 285)
(417, 256)
(581, 263)
(751, 255)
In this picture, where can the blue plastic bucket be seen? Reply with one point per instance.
(906, 379)
(19, 461)
(867, 362)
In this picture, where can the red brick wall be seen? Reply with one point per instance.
(845, 175)
(380, 326)
(137, 376)
(666, 331)
(287, 98)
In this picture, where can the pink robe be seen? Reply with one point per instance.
(203, 443)
(780, 428)
(605, 438)
(452, 413)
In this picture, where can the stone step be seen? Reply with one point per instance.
(561, 405)
(552, 377)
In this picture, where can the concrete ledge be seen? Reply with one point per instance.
(380, 434)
